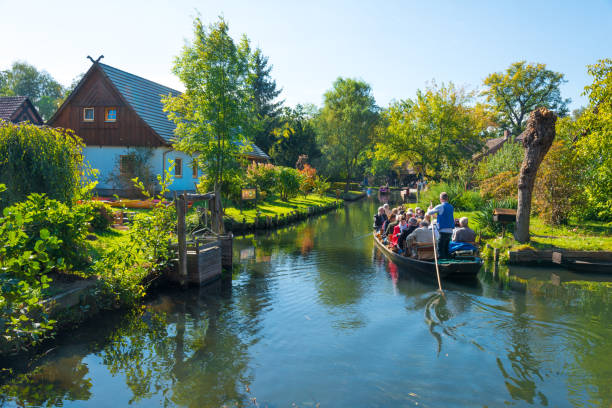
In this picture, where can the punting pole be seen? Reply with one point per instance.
(433, 236)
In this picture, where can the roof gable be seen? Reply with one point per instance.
(144, 97)
(13, 107)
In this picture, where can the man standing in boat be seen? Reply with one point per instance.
(445, 223)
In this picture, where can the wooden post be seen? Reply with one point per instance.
(180, 203)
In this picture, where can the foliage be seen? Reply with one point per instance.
(379, 165)
(40, 160)
(507, 159)
(347, 123)
(23, 319)
(23, 79)
(501, 186)
(435, 130)
(460, 198)
(594, 142)
(38, 212)
(484, 217)
(214, 110)
(146, 251)
(295, 136)
(231, 186)
(135, 163)
(557, 187)
(263, 176)
(102, 216)
(321, 186)
(288, 182)
(523, 87)
(41, 235)
(308, 179)
(263, 92)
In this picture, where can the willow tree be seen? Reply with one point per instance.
(347, 124)
(214, 108)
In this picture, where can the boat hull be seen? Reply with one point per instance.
(452, 270)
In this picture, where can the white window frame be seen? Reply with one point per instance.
(93, 114)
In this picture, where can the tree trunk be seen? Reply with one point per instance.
(217, 211)
(348, 181)
(537, 139)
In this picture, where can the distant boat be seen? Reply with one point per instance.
(449, 268)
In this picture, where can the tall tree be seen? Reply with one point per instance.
(264, 93)
(214, 108)
(295, 136)
(23, 79)
(522, 88)
(436, 129)
(594, 141)
(347, 123)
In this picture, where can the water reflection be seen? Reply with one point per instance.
(315, 315)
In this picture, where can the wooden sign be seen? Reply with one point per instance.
(249, 194)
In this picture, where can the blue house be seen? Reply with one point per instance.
(126, 133)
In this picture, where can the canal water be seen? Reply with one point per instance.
(315, 317)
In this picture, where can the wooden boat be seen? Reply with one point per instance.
(582, 266)
(449, 268)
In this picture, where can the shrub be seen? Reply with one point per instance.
(500, 187)
(506, 159)
(40, 160)
(37, 213)
(231, 186)
(263, 176)
(459, 197)
(308, 179)
(288, 182)
(484, 217)
(321, 186)
(102, 216)
(557, 187)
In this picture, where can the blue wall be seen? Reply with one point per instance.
(106, 160)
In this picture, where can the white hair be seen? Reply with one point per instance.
(463, 221)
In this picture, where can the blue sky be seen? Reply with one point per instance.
(396, 46)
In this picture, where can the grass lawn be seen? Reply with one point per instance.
(583, 236)
(106, 239)
(274, 205)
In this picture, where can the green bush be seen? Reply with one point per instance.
(459, 198)
(484, 217)
(40, 160)
(288, 182)
(102, 216)
(339, 185)
(321, 186)
(38, 212)
(263, 176)
(508, 158)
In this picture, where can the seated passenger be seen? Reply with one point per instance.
(419, 213)
(387, 209)
(463, 233)
(421, 234)
(413, 224)
(379, 219)
(390, 225)
(397, 230)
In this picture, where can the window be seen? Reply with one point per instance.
(194, 169)
(178, 167)
(125, 165)
(110, 114)
(88, 114)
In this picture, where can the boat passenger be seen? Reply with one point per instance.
(379, 219)
(445, 223)
(397, 230)
(421, 234)
(387, 209)
(464, 233)
(419, 213)
(413, 224)
(393, 221)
